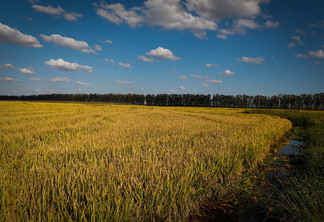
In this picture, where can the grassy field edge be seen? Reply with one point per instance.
(301, 197)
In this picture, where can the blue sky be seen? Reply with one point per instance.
(252, 47)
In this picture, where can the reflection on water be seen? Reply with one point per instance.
(278, 170)
(291, 148)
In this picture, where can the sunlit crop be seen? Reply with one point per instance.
(103, 162)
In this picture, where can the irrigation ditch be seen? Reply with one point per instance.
(289, 185)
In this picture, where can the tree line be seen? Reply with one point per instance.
(282, 101)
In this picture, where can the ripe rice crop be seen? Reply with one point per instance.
(104, 162)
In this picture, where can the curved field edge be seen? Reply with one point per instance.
(301, 197)
(102, 162)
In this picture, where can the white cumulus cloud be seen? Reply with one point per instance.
(83, 83)
(72, 16)
(216, 81)
(197, 16)
(257, 60)
(57, 11)
(108, 41)
(9, 66)
(98, 48)
(163, 54)
(145, 59)
(62, 65)
(110, 60)
(169, 14)
(68, 42)
(241, 25)
(199, 76)
(216, 10)
(15, 37)
(124, 65)
(271, 24)
(183, 88)
(60, 79)
(9, 79)
(227, 72)
(319, 54)
(48, 9)
(211, 65)
(28, 70)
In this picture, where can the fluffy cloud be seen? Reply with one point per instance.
(197, 16)
(227, 72)
(34, 79)
(83, 83)
(183, 88)
(15, 37)
(123, 82)
(240, 26)
(271, 24)
(48, 9)
(257, 60)
(62, 65)
(221, 36)
(117, 13)
(68, 42)
(169, 14)
(28, 70)
(110, 60)
(72, 16)
(211, 65)
(108, 41)
(216, 81)
(124, 65)
(98, 48)
(163, 54)
(59, 11)
(319, 54)
(145, 59)
(216, 10)
(60, 79)
(8, 79)
(182, 77)
(200, 77)
(9, 66)
(205, 85)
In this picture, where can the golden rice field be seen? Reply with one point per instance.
(104, 162)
